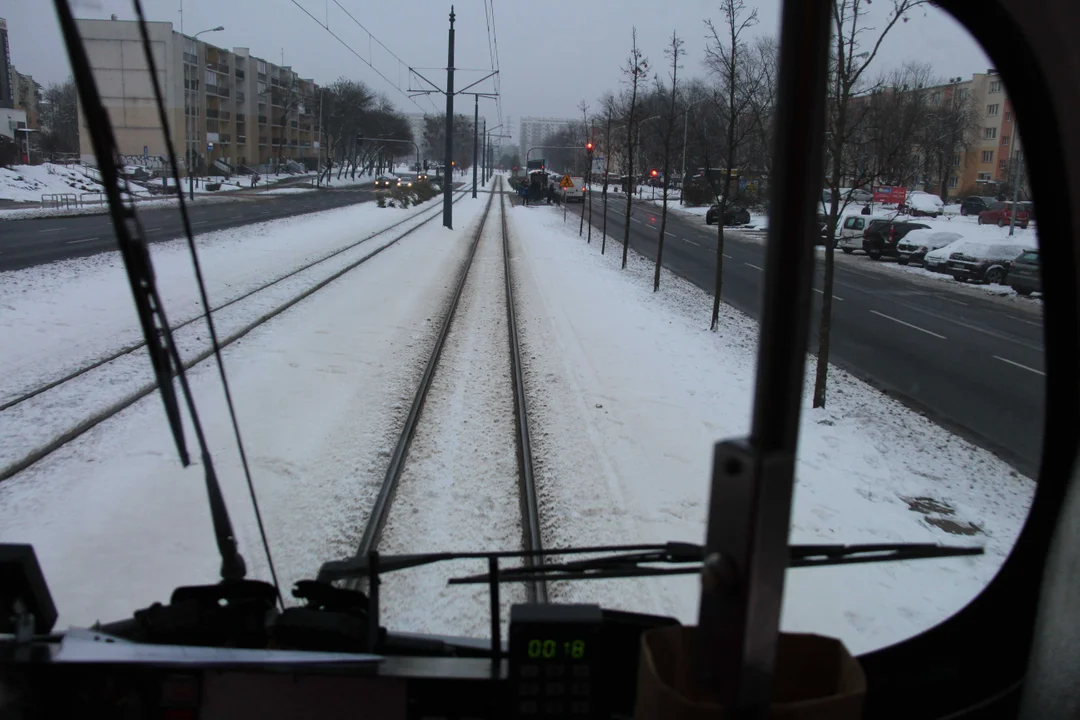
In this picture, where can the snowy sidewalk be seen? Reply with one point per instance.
(629, 390)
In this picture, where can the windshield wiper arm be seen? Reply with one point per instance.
(687, 559)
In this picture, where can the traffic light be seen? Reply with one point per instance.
(589, 148)
(654, 173)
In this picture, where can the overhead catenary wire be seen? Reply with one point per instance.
(364, 60)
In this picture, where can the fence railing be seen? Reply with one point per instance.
(58, 200)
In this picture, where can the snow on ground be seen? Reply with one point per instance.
(628, 390)
(103, 208)
(459, 488)
(27, 183)
(321, 391)
(44, 338)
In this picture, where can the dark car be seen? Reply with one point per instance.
(1000, 213)
(982, 261)
(1025, 277)
(385, 182)
(975, 204)
(734, 215)
(881, 236)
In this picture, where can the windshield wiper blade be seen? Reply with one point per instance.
(687, 559)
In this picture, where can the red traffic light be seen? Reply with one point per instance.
(654, 173)
(588, 147)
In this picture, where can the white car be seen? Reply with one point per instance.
(922, 204)
(576, 193)
(914, 246)
(849, 236)
(938, 260)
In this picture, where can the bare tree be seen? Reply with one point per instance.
(727, 58)
(674, 51)
(609, 112)
(948, 132)
(636, 66)
(848, 66)
(60, 118)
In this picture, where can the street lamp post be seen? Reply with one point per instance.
(686, 126)
(193, 141)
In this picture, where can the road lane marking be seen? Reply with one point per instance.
(201, 222)
(754, 266)
(72, 242)
(152, 229)
(634, 219)
(236, 217)
(727, 256)
(669, 233)
(915, 327)
(958, 302)
(52, 230)
(691, 242)
(835, 297)
(1012, 362)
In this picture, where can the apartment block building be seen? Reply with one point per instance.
(225, 108)
(27, 98)
(535, 130)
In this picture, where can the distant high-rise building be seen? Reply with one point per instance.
(535, 130)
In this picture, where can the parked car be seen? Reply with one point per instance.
(981, 261)
(975, 204)
(733, 215)
(849, 237)
(849, 195)
(881, 236)
(917, 243)
(938, 260)
(1000, 214)
(923, 204)
(1025, 277)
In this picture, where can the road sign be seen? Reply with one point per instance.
(566, 182)
(209, 147)
(888, 194)
(145, 152)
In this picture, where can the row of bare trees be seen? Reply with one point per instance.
(903, 126)
(350, 111)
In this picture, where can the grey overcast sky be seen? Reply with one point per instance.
(552, 54)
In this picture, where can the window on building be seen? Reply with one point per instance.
(995, 86)
(983, 177)
(1004, 139)
(956, 160)
(954, 181)
(989, 133)
(1008, 116)
(962, 93)
(988, 156)
(992, 110)
(1001, 164)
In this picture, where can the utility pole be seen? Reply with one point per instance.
(448, 158)
(483, 156)
(1016, 188)
(318, 162)
(475, 140)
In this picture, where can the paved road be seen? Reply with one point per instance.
(25, 243)
(972, 364)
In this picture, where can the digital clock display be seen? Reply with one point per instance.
(551, 649)
(552, 652)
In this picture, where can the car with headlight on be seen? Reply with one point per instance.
(914, 246)
(386, 182)
(405, 181)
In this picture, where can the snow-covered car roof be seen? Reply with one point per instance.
(989, 250)
(932, 239)
(921, 200)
